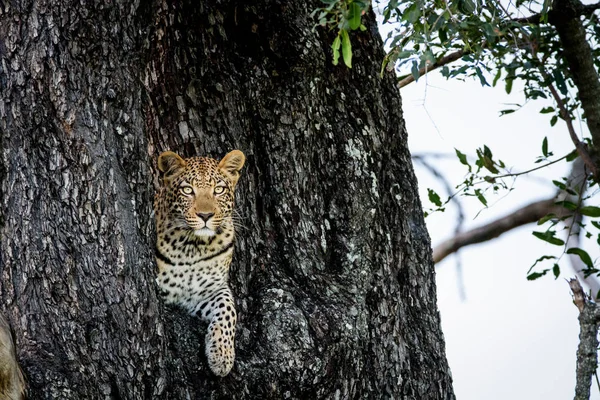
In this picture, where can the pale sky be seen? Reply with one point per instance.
(509, 338)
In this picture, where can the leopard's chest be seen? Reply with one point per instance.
(189, 285)
(190, 270)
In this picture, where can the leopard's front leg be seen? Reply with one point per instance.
(219, 311)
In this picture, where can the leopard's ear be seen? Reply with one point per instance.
(232, 163)
(170, 164)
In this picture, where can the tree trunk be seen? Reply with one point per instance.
(332, 274)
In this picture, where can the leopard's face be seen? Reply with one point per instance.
(198, 193)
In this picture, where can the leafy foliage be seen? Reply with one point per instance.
(495, 43)
(342, 16)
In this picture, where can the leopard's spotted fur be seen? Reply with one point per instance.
(194, 246)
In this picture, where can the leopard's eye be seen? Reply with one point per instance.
(187, 190)
(219, 189)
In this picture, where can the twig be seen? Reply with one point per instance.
(530, 170)
(461, 213)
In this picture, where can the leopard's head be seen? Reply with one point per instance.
(198, 192)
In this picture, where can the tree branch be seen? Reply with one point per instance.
(578, 54)
(577, 181)
(553, 16)
(525, 215)
(587, 353)
(536, 19)
(581, 147)
(447, 59)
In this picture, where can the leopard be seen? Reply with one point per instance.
(195, 232)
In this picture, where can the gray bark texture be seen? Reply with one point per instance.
(332, 272)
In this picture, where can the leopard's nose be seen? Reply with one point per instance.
(205, 216)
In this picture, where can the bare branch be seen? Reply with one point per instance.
(439, 63)
(578, 293)
(525, 215)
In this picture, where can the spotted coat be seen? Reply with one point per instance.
(194, 246)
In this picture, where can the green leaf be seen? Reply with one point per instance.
(534, 94)
(544, 13)
(443, 35)
(487, 152)
(547, 110)
(498, 75)
(560, 81)
(346, 48)
(590, 211)
(545, 147)
(535, 275)
(583, 255)
(336, 49)
(481, 197)
(412, 13)
(553, 120)
(482, 80)
(428, 58)
(466, 6)
(462, 158)
(548, 236)
(434, 197)
(567, 204)
(354, 16)
(546, 218)
(508, 85)
(415, 71)
(490, 32)
(542, 258)
(560, 185)
(556, 271)
(572, 155)
(596, 224)
(387, 13)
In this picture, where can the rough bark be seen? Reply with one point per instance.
(578, 54)
(587, 351)
(332, 274)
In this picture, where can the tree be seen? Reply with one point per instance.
(550, 47)
(332, 273)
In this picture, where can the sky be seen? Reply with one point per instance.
(506, 337)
